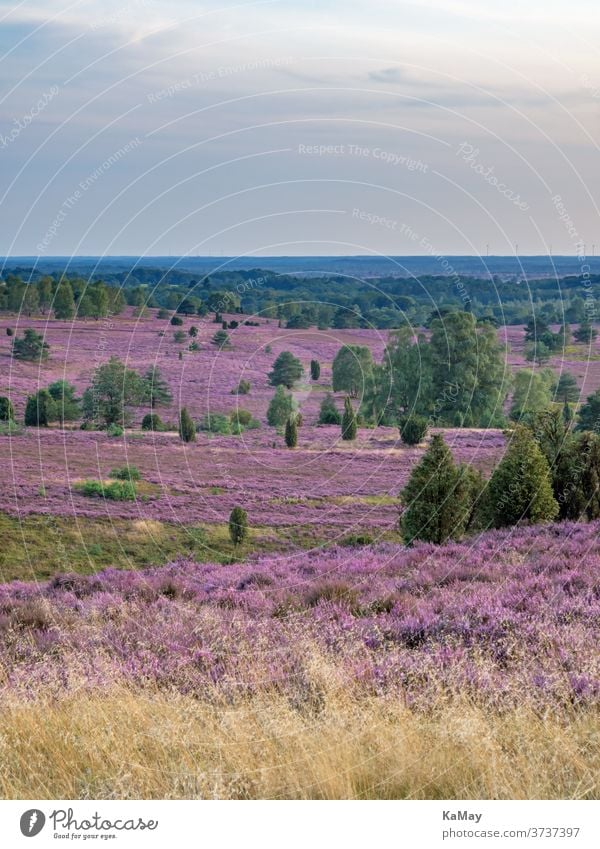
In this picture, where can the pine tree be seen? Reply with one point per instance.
(291, 432)
(315, 369)
(287, 369)
(520, 488)
(238, 525)
(328, 412)
(157, 388)
(187, 431)
(438, 497)
(221, 339)
(31, 347)
(348, 421)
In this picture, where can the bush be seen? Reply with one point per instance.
(179, 336)
(115, 491)
(126, 473)
(216, 423)
(241, 417)
(238, 525)
(221, 339)
(187, 430)
(163, 313)
(9, 331)
(31, 347)
(280, 408)
(356, 540)
(176, 321)
(233, 324)
(10, 428)
(243, 388)
(39, 409)
(328, 412)
(152, 421)
(7, 411)
(114, 430)
(315, 369)
(413, 429)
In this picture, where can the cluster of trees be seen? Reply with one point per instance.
(66, 298)
(549, 470)
(337, 301)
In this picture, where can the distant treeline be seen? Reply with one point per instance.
(331, 301)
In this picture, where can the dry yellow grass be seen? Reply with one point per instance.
(125, 744)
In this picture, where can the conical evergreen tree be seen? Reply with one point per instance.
(187, 431)
(291, 432)
(438, 497)
(238, 525)
(520, 488)
(348, 421)
(315, 369)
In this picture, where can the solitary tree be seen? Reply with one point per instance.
(187, 431)
(280, 408)
(152, 421)
(315, 369)
(287, 369)
(291, 432)
(64, 302)
(113, 390)
(520, 488)
(39, 409)
(352, 368)
(348, 421)
(413, 429)
(31, 347)
(438, 498)
(328, 412)
(221, 339)
(238, 525)
(156, 388)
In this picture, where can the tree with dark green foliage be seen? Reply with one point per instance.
(349, 426)
(7, 411)
(187, 431)
(413, 429)
(176, 321)
(315, 369)
(520, 489)
(157, 392)
(238, 525)
(280, 407)
(567, 413)
(152, 421)
(10, 331)
(566, 388)
(352, 369)
(287, 369)
(221, 340)
(328, 412)
(589, 413)
(39, 409)
(243, 388)
(67, 407)
(30, 347)
(439, 497)
(193, 331)
(114, 389)
(585, 333)
(291, 432)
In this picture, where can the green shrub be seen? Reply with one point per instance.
(356, 540)
(115, 491)
(413, 429)
(187, 429)
(7, 411)
(329, 413)
(126, 473)
(176, 321)
(216, 423)
(114, 430)
(152, 421)
(349, 425)
(238, 525)
(243, 388)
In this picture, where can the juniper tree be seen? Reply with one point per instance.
(238, 525)
(291, 432)
(315, 369)
(520, 488)
(349, 426)
(7, 411)
(438, 498)
(187, 431)
(328, 412)
(280, 408)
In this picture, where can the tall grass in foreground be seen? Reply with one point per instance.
(144, 744)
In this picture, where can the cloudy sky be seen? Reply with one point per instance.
(299, 127)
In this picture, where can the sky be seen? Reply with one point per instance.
(293, 127)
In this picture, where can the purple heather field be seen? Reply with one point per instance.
(506, 616)
(510, 618)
